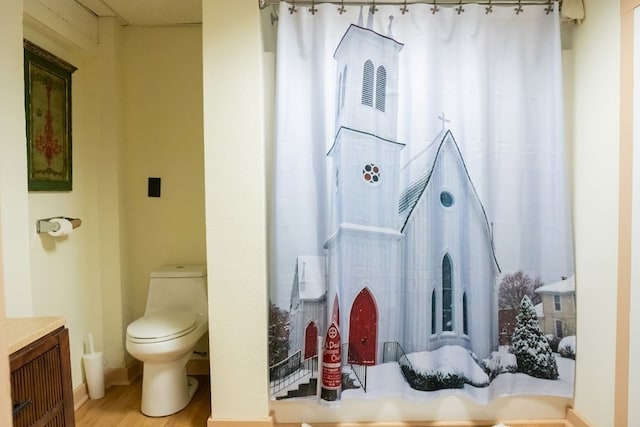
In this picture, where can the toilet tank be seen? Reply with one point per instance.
(178, 288)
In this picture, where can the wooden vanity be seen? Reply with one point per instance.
(41, 389)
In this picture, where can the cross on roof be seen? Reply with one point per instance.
(444, 120)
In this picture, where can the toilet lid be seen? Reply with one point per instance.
(162, 325)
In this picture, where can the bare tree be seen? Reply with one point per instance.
(516, 286)
(278, 334)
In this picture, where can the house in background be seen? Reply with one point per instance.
(558, 307)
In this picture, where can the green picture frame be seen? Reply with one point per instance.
(47, 86)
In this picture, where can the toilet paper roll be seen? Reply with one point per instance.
(65, 227)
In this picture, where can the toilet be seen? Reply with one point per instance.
(163, 339)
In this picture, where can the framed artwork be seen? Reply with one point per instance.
(47, 88)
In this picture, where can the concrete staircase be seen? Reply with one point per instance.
(304, 389)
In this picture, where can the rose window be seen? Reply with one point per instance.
(371, 173)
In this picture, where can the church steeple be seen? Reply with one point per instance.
(365, 153)
(367, 82)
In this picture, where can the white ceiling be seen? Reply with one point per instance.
(148, 12)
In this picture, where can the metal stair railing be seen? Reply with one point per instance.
(392, 351)
(291, 370)
(360, 371)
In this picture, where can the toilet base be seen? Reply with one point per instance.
(166, 389)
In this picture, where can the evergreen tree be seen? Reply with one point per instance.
(530, 346)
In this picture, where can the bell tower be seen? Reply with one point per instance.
(365, 153)
(363, 247)
(367, 82)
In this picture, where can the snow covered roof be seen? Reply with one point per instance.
(311, 277)
(564, 286)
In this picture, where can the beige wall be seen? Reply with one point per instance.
(235, 209)
(163, 138)
(634, 368)
(12, 136)
(630, 134)
(595, 205)
(66, 271)
(6, 402)
(112, 268)
(155, 130)
(14, 214)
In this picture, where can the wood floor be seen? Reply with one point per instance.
(120, 407)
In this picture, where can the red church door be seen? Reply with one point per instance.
(311, 340)
(363, 330)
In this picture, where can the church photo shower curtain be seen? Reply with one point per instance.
(419, 221)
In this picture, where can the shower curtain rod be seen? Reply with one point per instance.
(404, 4)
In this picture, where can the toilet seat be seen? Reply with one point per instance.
(158, 327)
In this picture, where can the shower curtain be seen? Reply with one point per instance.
(420, 236)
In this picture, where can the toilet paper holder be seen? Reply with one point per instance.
(45, 225)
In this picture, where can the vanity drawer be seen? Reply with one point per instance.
(41, 382)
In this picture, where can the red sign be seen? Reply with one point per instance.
(332, 360)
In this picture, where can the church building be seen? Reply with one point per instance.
(410, 258)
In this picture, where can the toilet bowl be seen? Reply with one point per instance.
(164, 338)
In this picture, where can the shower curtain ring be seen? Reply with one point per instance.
(404, 9)
(313, 8)
(373, 8)
(549, 7)
(292, 8)
(342, 9)
(488, 9)
(435, 9)
(519, 9)
(459, 9)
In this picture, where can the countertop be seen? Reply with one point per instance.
(22, 331)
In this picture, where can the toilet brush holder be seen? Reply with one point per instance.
(94, 372)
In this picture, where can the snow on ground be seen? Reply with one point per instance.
(501, 361)
(569, 342)
(448, 360)
(386, 380)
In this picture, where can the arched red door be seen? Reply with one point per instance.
(363, 329)
(310, 340)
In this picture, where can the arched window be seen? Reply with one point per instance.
(381, 88)
(433, 311)
(465, 318)
(447, 295)
(367, 83)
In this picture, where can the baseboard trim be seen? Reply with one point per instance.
(267, 422)
(471, 423)
(129, 373)
(271, 422)
(80, 395)
(123, 376)
(198, 367)
(575, 419)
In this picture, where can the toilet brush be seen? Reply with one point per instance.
(94, 370)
